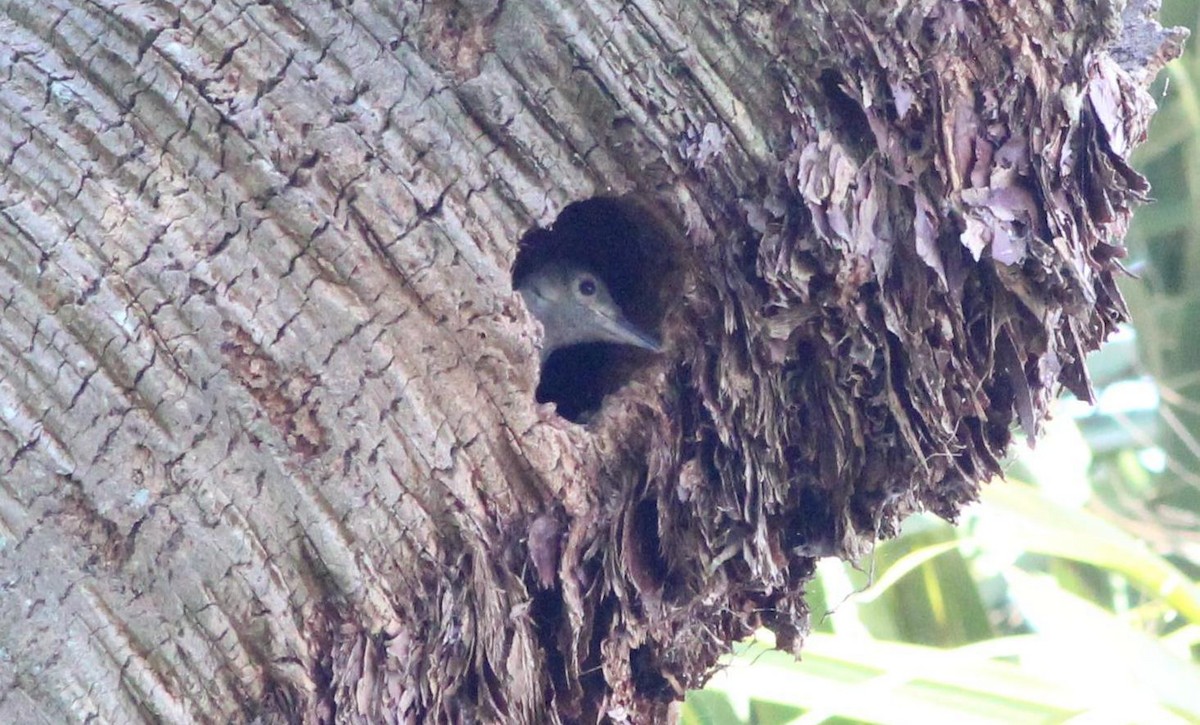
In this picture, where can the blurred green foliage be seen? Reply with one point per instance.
(1071, 590)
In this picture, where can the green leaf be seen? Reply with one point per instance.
(1038, 524)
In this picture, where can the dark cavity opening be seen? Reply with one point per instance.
(846, 114)
(627, 248)
(644, 561)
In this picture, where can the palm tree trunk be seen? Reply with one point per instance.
(270, 444)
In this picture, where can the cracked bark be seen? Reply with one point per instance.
(268, 446)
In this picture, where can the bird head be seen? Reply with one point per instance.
(575, 306)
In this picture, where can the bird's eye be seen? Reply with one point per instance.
(587, 286)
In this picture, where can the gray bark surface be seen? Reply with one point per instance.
(268, 439)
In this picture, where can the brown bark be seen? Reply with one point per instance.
(268, 439)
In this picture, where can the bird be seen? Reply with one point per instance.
(574, 306)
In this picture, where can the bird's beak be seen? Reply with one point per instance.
(620, 330)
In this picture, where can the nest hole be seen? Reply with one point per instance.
(628, 247)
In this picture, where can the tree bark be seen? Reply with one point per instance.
(269, 444)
